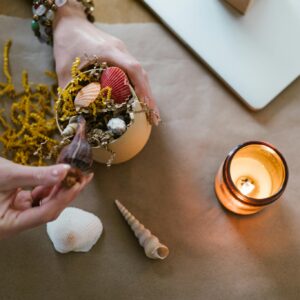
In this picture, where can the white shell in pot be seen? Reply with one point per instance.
(130, 143)
(74, 230)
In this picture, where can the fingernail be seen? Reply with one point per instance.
(77, 187)
(60, 169)
(66, 167)
(147, 101)
(89, 179)
(91, 176)
(155, 118)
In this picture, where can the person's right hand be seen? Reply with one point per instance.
(74, 36)
(16, 200)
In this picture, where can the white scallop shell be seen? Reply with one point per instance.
(151, 244)
(87, 95)
(130, 143)
(74, 230)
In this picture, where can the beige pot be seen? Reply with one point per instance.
(130, 143)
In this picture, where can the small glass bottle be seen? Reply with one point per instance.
(253, 175)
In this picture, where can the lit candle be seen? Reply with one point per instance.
(252, 176)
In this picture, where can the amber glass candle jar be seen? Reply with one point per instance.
(253, 175)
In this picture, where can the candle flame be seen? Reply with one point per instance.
(247, 187)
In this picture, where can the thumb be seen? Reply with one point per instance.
(23, 176)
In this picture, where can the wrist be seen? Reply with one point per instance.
(72, 9)
(49, 13)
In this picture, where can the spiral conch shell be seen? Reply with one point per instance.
(87, 95)
(70, 130)
(74, 230)
(152, 246)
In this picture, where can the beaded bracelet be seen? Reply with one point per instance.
(43, 15)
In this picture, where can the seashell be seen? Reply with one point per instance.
(87, 95)
(78, 153)
(152, 246)
(131, 142)
(74, 230)
(116, 79)
(74, 119)
(70, 130)
(117, 126)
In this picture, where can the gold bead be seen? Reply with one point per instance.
(49, 3)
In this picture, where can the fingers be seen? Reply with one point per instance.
(6, 200)
(22, 200)
(49, 211)
(28, 199)
(14, 175)
(51, 206)
(41, 192)
(84, 181)
(139, 79)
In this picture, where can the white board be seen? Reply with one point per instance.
(257, 55)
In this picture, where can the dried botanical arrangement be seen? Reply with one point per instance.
(103, 96)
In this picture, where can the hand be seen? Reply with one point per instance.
(16, 211)
(74, 36)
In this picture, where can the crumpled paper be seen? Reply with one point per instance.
(169, 186)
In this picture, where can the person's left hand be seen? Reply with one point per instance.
(17, 197)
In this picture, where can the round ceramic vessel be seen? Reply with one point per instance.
(130, 143)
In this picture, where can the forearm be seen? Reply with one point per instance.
(74, 36)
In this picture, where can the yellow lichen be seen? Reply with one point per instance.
(104, 97)
(76, 74)
(28, 125)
